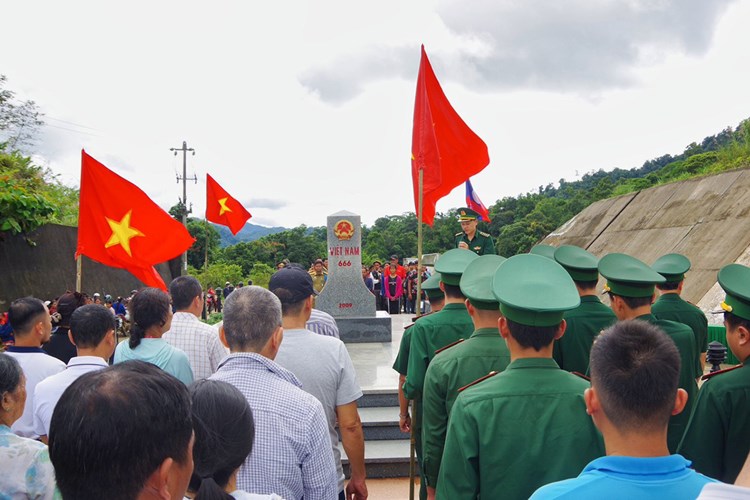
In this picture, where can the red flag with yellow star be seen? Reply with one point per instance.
(119, 225)
(442, 145)
(221, 208)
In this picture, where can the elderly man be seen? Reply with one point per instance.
(123, 432)
(292, 454)
(323, 366)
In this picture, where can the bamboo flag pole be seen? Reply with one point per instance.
(78, 273)
(412, 443)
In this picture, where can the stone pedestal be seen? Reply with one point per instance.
(345, 296)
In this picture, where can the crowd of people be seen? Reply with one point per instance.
(520, 383)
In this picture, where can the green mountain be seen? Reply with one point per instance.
(250, 232)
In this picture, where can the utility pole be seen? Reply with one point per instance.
(184, 179)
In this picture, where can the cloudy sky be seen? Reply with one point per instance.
(302, 109)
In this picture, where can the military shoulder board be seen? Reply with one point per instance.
(449, 346)
(709, 375)
(491, 374)
(486, 235)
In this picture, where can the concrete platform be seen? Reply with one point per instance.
(358, 329)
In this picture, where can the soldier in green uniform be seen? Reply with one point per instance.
(469, 238)
(544, 250)
(671, 306)
(630, 285)
(431, 286)
(717, 439)
(456, 365)
(587, 320)
(526, 426)
(435, 331)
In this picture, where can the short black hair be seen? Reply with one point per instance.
(668, 285)
(735, 321)
(289, 308)
(112, 428)
(453, 291)
(89, 324)
(24, 314)
(633, 302)
(11, 374)
(537, 337)
(183, 290)
(149, 307)
(586, 285)
(224, 435)
(635, 369)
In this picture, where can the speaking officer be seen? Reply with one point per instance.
(630, 284)
(585, 321)
(671, 306)
(456, 365)
(469, 238)
(716, 439)
(526, 426)
(435, 331)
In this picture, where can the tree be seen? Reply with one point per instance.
(19, 120)
(196, 254)
(24, 203)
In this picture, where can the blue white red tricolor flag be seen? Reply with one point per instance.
(474, 203)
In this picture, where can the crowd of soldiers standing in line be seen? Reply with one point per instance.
(524, 380)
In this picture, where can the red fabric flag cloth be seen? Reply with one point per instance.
(222, 208)
(443, 146)
(119, 225)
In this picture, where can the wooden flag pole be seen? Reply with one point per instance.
(78, 273)
(205, 264)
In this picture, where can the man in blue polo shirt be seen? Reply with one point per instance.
(635, 369)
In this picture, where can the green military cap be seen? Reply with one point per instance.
(476, 282)
(580, 264)
(431, 286)
(534, 290)
(628, 276)
(452, 263)
(543, 250)
(465, 213)
(672, 266)
(735, 280)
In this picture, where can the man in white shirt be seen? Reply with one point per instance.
(92, 331)
(199, 341)
(32, 327)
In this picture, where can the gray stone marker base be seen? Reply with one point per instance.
(365, 329)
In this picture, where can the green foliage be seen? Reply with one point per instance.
(19, 121)
(196, 254)
(214, 318)
(216, 274)
(261, 274)
(25, 203)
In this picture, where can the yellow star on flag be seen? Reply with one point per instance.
(224, 207)
(122, 232)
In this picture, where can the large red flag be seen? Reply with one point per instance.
(119, 225)
(222, 208)
(442, 145)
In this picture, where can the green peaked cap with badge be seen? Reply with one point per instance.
(543, 250)
(431, 286)
(476, 282)
(735, 280)
(465, 213)
(672, 266)
(534, 290)
(628, 276)
(451, 265)
(580, 264)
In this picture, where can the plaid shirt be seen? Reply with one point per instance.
(322, 323)
(199, 341)
(292, 454)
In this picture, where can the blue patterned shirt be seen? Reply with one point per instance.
(292, 454)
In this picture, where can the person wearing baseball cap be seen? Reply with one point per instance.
(631, 287)
(326, 371)
(510, 433)
(716, 439)
(470, 238)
